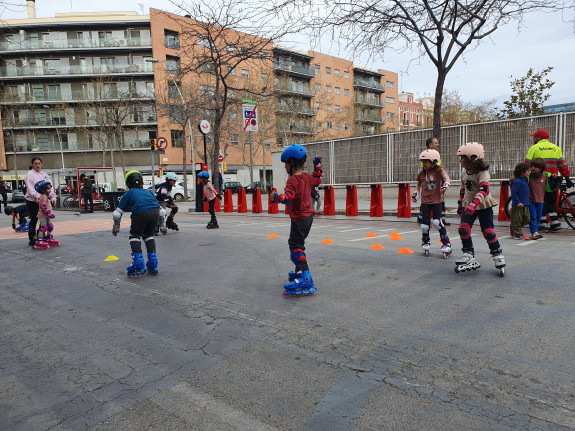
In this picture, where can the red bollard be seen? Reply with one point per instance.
(328, 201)
(228, 201)
(404, 201)
(503, 196)
(351, 201)
(376, 207)
(272, 208)
(242, 204)
(256, 201)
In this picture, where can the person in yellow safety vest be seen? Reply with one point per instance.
(555, 162)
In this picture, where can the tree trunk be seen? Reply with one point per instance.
(441, 75)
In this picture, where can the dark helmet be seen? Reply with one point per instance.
(8, 210)
(134, 179)
(40, 186)
(295, 151)
(204, 174)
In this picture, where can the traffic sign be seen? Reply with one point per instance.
(250, 115)
(204, 127)
(220, 158)
(161, 143)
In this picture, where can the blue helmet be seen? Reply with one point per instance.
(204, 174)
(293, 151)
(40, 186)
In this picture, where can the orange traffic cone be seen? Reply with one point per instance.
(377, 246)
(405, 250)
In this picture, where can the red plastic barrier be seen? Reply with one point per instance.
(404, 201)
(228, 201)
(272, 208)
(256, 201)
(242, 204)
(217, 205)
(329, 201)
(376, 207)
(503, 196)
(351, 201)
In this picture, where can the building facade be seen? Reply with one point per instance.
(410, 113)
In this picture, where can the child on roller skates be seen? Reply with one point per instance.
(476, 202)
(45, 216)
(19, 214)
(164, 196)
(520, 201)
(540, 182)
(146, 212)
(432, 182)
(211, 196)
(297, 197)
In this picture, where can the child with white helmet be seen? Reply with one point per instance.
(164, 197)
(476, 202)
(432, 182)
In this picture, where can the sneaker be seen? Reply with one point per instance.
(519, 237)
(555, 228)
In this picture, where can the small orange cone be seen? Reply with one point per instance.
(272, 235)
(394, 236)
(327, 241)
(439, 242)
(405, 250)
(377, 246)
(371, 235)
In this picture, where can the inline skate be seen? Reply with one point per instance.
(52, 242)
(466, 262)
(40, 243)
(499, 260)
(213, 224)
(152, 264)
(170, 224)
(302, 284)
(446, 247)
(138, 266)
(22, 227)
(425, 246)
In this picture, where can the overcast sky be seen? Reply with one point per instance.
(481, 75)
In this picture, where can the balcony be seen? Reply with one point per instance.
(295, 129)
(369, 101)
(67, 71)
(79, 121)
(65, 44)
(296, 109)
(292, 69)
(292, 89)
(369, 118)
(75, 96)
(369, 84)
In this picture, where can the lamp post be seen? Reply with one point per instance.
(58, 134)
(155, 60)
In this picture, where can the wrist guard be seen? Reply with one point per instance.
(317, 171)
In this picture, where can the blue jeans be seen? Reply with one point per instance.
(535, 211)
(88, 198)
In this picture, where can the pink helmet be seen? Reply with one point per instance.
(471, 149)
(432, 155)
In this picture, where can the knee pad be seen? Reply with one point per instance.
(174, 211)
(490, 235)
(50, 227)
(424, 229)
(464, 231)
(43, 229)
(437, 224)
(297, 255)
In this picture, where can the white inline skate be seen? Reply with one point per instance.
(499, 260)
(425, 246)
(466, 262)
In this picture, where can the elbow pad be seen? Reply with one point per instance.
(117, 214)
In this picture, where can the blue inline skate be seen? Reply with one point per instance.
(138, 266)
(23, 227)
(152, 264)
(302, 284)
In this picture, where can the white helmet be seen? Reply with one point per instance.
(432, 155)
(472, 149)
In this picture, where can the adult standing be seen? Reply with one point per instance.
(87, 184)
(3, 193)
(555, 164)
(32, 197)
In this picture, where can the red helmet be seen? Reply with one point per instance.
(472, 149)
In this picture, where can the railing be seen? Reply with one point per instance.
(9, 123)
(28, 45)
(295, 128)
(368, 84)
(75, 70)
(295, 90)
(54, 145)
(368, 101)
(369, 118)
(308, 71)
(296, 109)
(76, 96)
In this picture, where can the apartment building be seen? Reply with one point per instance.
(410, 113)
(80, 84)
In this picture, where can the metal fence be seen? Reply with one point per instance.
(393, 157)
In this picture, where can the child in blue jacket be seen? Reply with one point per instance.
(520, 201)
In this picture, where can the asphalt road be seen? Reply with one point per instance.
(389, 342)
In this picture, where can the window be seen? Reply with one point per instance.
(235, 140)
(207, 90)
(328, 107)
(317, 87)
(336, 72)
(232, 71)
(230, 48)
(318, 124)
(390, 115)
(329, 125)
(263, 55)
(207, 67)
(317, 68)
(337, 108)
(328, 70)
(268, 142)
(206, 43)
(245, 73)
(390, 84)
(346, 74)
(328, 88)
(233, 116)
(178, 138)
(265, 77)
(173, 64)
(390, 100)
(171, 39)
(337, 90)
(346, 126)
(337, 126)
(346, 92)
(173, 92)
(317, 105)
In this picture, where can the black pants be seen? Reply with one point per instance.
(33, 209)
(298, 233)
(550, 207)
(211, 208)
(88, 198)
(426, 210)
(144, 225)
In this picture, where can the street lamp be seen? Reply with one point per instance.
(58, 134)
(155, 60)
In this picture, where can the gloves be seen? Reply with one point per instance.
(50, 214)
(317, 161)
(317, 172)
(205, 199)
(219, 196)
(444, 187)
(470, 209)
(568, 182)
(415, 196)
(274, 197)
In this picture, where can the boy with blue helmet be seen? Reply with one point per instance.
(297, 197)
(18, 213)
(146, 212)
(164, 197)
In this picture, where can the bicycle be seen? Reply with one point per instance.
(565, 206)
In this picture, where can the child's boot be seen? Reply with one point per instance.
(152, 264)
(138, 266)
(499, 260)
(302, 285)
(446, 247)
(52, 242)
(170, 224)
(40, 243)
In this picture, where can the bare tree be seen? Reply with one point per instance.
(457, 111)
(439, 29)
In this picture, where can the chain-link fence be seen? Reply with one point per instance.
(393, 157)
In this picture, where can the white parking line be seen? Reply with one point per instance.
(351, 230)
